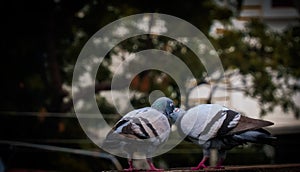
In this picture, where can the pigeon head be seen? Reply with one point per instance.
(164, 105)
(176, 114)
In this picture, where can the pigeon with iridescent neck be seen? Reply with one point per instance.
(213, 126)
(141, 131)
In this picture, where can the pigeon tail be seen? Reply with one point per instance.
(256, 136)
(246, 124)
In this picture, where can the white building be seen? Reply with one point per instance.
(277, 14)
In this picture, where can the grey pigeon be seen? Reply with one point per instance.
(213, 126)
(141, 131)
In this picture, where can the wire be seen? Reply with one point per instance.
(67, 150)
(57, 115)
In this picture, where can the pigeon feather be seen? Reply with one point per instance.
(215, 126)
(141, 131)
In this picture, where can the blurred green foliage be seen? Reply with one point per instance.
(269, 58)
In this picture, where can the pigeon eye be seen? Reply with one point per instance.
(171, 105)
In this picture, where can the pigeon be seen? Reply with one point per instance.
(141, 131)
(213, 126)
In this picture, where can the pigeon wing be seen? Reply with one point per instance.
(246, 123)
(143, 124)
(236, 123)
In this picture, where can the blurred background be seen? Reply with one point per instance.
(258, 43)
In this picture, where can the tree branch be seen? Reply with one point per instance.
(101, 86)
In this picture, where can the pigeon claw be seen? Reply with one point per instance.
(153, 168)
(199, 167)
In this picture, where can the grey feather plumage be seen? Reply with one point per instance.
(147, 127)
(142, 131)
(215, 126)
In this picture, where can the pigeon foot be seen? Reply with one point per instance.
(199, 167)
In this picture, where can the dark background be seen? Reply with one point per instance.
(39, 48)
